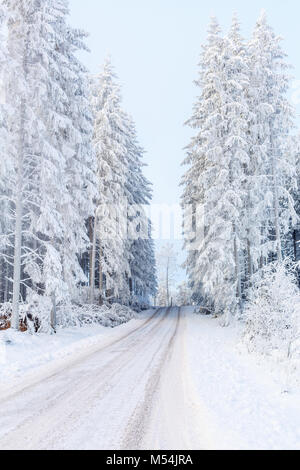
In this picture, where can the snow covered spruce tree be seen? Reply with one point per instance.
(197, 156)
(215, 181)
(110, 224)
(241, 173)
(293, 240)
(183, 295)
(167, 268)
(273, 164)
(143, 282)
(121, 241)
(50, 193)
(5, 167)
(75, 123)
(25, 93)
(235, 111)
(141, 246)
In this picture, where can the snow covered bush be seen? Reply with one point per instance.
(5, 313)
(80, 315)
(35, 315)
(183, 294)
(138, 304)
(273, 311)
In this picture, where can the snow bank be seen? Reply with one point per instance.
(20, 352)
(23, 352)
(243, 394)
(68, 315)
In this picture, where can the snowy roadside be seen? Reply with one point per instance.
(25, 359)
(240, 396)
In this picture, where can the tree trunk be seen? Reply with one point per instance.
(18, 250)
(237, 269)
(295, 245)
(276, 199)
(18, 224)
(53, 313)
(167, 285)
(100, 274)
(91, 231)
(250, 265)
(93, 263)
(19, 202)
(6, 288)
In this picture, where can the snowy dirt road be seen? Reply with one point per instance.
(132, 393)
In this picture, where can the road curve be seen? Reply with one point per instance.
(127, 395)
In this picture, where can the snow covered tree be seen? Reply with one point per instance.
(295, 232)
(217, 157)
(74, 121)
(273, 166)
(167, 269)
(235, 113)
(5, 166)
(143, 267)
(291, 240)
(197, 155)
(26, 92)
(183, 295)
(238, 190)
(51, 185)
(110, 227)
(122, 233)
(54, 170)
(272, 314)
(162, 297)
(141, 246)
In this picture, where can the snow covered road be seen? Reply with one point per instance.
(130, 394)
(167, 380)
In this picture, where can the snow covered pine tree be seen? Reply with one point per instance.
(122, 231)
(51, 186)
(241, 174)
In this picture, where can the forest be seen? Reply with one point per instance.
(240, 191)
(75, 232)
(73, 225)
(114, 335)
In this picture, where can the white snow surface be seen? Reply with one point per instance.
(169, 379)
(244, 395)
(24, 352)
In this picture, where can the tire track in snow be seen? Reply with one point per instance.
(139, 421)
(72, 362)
(44, 421)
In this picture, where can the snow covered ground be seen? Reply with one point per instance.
(243, 395)
(169, 379)
(22, 353)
